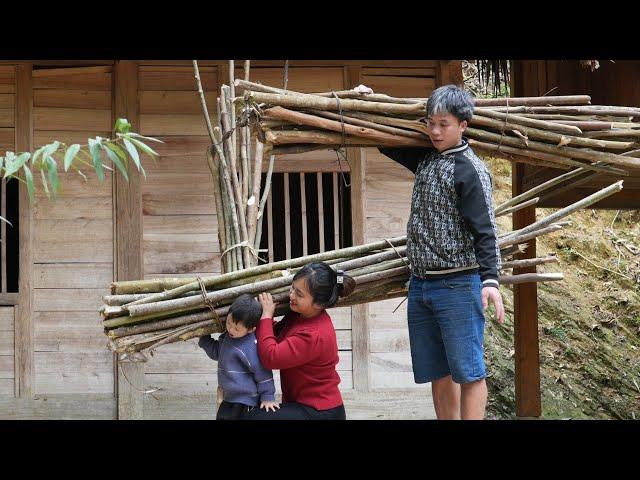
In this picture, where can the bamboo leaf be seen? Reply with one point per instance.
(137, 135)
(49, 150)
(145, 148)
(37, 154)
(70, 155)
(44, 182)
(13, 163)
(122, 125)
(1, 162)
(28, 176)
(116, 161)
(94, 148)
(5, 220)
(53, 174)
(133, 152)
(117, 149)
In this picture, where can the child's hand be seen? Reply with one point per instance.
(268, 307)
(270, 405)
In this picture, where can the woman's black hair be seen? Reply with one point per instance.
(325, 284)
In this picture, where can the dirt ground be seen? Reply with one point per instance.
(589, 323)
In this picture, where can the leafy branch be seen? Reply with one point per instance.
(127, 145)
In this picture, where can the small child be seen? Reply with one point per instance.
(244, 381)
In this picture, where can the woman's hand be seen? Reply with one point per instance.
(270, 405)
(268, 307)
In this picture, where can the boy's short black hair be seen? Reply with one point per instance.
(246, 310)
(451, 99)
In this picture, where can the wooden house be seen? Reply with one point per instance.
(53, 357)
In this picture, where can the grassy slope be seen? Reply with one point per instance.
(589, 323)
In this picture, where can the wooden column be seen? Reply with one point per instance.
(127, 220)
(525, 300)
(449, 72)
(23, 339)
(359, 313)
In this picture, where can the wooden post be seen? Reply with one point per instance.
(359, 313)
(450, 72)
(525, 300)
(128, 262)
(23, 318)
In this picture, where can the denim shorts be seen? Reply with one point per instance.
(446, 328)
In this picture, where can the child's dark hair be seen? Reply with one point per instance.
(324, 283)
(246, 310)
(451, 99)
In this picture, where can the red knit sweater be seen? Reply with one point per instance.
(305, 350)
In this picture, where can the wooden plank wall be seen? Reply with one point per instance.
(7, 142)
(7, 107)
(388, 202)
(7, 351)
(73, 238)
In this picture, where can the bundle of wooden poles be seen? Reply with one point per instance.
(145, 314)
(556, 131)
(561, 132)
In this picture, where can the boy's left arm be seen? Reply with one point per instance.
(475, 206)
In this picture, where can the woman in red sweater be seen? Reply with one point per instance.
(303, 346)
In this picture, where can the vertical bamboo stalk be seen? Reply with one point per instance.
(303, 202)
(252, 210)
(287, 217)
(214, 168)
(230, 261)
(230, 196)
(244, 162)
(320, 212)
(228, 231)
(242, 219)
(232, 110)
(263, 201)
(270, 227)
(336, 213)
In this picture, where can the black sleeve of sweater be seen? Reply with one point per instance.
(407, 157)
(473, 207)
(210, 346)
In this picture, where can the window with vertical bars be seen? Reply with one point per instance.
(306, 213)
(9, 236)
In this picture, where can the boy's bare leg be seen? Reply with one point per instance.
(473, 400)
(446, 398)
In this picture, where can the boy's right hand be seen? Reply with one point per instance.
(268, 307)
(270, 406)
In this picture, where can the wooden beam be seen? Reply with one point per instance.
(127, 220)
(525, 299)
(359, 313)
(24, 333)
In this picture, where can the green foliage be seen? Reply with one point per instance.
(45, 159)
